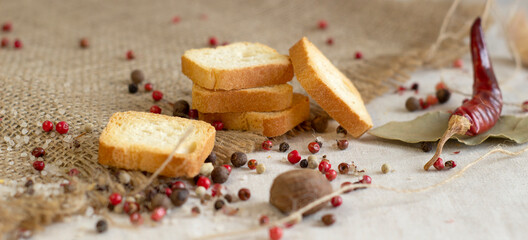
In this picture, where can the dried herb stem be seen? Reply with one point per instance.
(457, 125)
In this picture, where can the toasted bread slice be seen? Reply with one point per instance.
(269, 124)
(330, 88)
(261, 99)
(142, 141)
(236, 66)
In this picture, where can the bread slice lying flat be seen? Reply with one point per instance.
(261, 99)
(236, 66)
(269, 124)
(142, 141)
(330, 88)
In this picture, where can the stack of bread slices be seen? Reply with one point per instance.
(245, 87)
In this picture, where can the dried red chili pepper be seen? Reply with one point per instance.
(479, 114)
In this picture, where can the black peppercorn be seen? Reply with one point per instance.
(342, 144)
(341, 130)
(319, 124)
(179, 196)
(414, 86)
(303, 163)
(181, 108)
(319, 143)
(219, 204)
(427, 146)
(412, 104)
(137, 76)
(101, 226)
(220, 174)
(29, 183)
(211, 158)
(443, 95)
(244, 194)
(228, 198)
(238, 159)
(284, 146)
(132, 88)
(328, 219)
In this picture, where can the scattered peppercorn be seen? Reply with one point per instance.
(238, 159)
(385, 168)
(343, 168)
(157, 95)
(439, 164)
(342, 144)
(181, 108)
(136, 219)
(261, 168)
(340, 130)
(415, 87)
(458, 63)
(431, 100)
(228, 167)
(38, 152)
(73, 172)
(267, 145)
(228, 198)
(412, 104)
(328, 219)
(303, 163)
(161, 200)
(101, 226)
(62, 127)
(203, 182)
(313, 163)
(132, 88)
(115, 198)
(263, 220)
(179, 196)
(346, 184)
(366, 179)
(137, 76)
(76, 143)
(213, 41)
(193, 114)
(331, 174)
(219, 204)
(211, 158)
(427, 146)
(18, 44)
(313, 147)
(200, 191)
(158, 214)
(220, 174)
(5, 42)
(443, 95)
(130, 55)
(130, 207)
(336, 201)
(6, 27)
(83, 43)
(330, 41)
(275, 233)
(252, 164)
(322, 24)
(195, 211)
(218, 125)
(324, 166)
(525, 106)
(148, 87)
(440, 85)
(450, 164)
(284, 146)
(155, 109)
(244, 194)
(320, 123)
(39, 165)
(359, 55)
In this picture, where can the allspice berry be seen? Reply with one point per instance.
(219, 204)
(319, 124)
(160, 200)
(238, 159)
(211, 158)
(220, 174)
(101, 226)
(328, 219)
(181, 109)
(443, 95)
(137, 76)
(412, 104)
(179, 196)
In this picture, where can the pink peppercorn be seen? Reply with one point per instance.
(168, 191)
(136, 219)
(216, 190)
(324, 166)
(62, 127)
(330, 41)
(155, 109)
(336, 201)
(275, 233)
(158, 214)
(366, 179)
(6, 27)
(263, 220)
(203, 182)
(439, 164)
(313, 147)
(39, 165)
(458, 63)
(157, 95)
(115, 198)
(267, 145)
(73, 172)
(228, 167)
(213, 41)
(5, 42)
(218, 125)
(148, 87)
(130, 55)
(322, 24)
(440, 85)
(176, 19)
(47, 126)
(193, 114)
(359, 55)
(18, 44)
(252, 164)
(431, 100)
(331, 174)
(294, 157)
(178, 185)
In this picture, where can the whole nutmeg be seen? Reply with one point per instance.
(211, 158)
(137, 76)
(238, 159)
(295, 189)
(181, 108)
(320, 123)
(160, 200)
(220, 174)
(179, 196)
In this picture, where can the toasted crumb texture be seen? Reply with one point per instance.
(236, 66)
(142, 141)
(269, 124)
(261, 99)
(330, 88)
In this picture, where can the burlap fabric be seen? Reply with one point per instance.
(52, 78)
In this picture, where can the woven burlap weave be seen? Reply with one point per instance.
(52, 78)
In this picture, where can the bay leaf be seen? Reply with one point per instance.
(431, 126)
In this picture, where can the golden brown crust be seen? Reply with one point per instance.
(264, 99)
(353, 116)
(270, 124)
(145, 158)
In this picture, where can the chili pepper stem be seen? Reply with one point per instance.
(457, 125)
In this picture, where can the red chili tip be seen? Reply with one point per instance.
(7, 27)
(359, 55)
(176, 19)
(322, 24)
